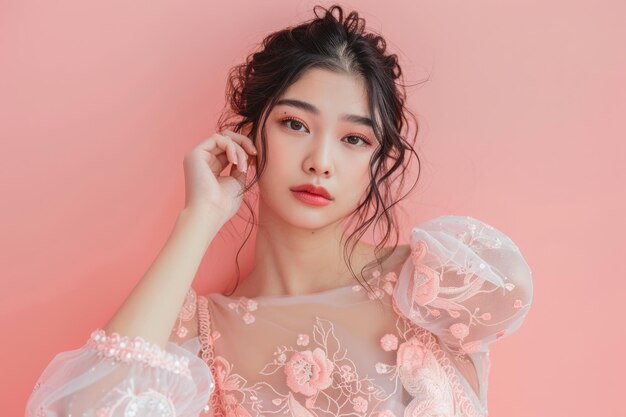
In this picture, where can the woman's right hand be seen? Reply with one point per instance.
(205, 189)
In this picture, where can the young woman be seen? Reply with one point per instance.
(320, 118)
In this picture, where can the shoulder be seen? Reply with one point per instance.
(471, 243)
(464, 280)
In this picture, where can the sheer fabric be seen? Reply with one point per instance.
(414, 343)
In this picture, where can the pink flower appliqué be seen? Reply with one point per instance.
(309, 372)
(459, 330)
(427, 290)
(389, 342)
(247, 306)
(360, 404)
(410, 357)
(303, 339)
(231, 385)
(182, 332)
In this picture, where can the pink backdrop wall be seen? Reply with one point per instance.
(522, 127)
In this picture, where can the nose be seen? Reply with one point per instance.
(319, 160)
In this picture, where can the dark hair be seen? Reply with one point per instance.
(339, 44)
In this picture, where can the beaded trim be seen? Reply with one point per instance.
(122, 349)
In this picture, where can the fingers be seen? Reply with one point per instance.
(235, 146)
(242, 140)
(244, 143)
(235, 153)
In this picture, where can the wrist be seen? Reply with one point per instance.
(203, 220)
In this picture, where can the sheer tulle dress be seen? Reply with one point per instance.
(416, 344)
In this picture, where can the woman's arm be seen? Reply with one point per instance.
(135, 365)
(152, 307)
(113, 372)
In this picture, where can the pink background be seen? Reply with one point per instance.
(522, 127)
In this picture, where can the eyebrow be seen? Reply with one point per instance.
(362, 120)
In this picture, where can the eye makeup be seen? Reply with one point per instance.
(285, 120)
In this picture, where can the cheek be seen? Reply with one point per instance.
(281, 157)
(357, 180)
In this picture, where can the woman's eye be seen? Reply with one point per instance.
(358, 138)
(296, 124)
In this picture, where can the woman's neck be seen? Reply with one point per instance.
(294, 267)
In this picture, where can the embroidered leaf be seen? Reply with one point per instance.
(324, 336)
(270, 368)
(297, 409)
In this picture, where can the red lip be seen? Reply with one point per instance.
(313, 189)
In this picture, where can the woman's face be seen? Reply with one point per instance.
(318, 133)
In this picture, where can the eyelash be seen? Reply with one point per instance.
(289, 118)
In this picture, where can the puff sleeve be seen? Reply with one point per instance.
(465, 281)
(113, 375)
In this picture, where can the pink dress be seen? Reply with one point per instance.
(417, 344)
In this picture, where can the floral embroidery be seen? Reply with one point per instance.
(459, 330)
(232, 388)
(322, 380)
(380, 285)
(309, 372)
(315, 376)
(318, 381)
(426, 374)
(410, 360)
(149, 402)
(187, 313)
(477, 240)
(303, 340)
(247, 306)
(360, 404)
(389, 342)
(426, 278)
(430, 296)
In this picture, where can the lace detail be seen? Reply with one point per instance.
(379, 284)
(187, 313)
(430, 343)
(244, 307)
(430, 297)
(323, 375)
(206, 341)
(418, 377)
(461, 288)
(124, 350)
(465, 281)
(149, 402)
(322, 380)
